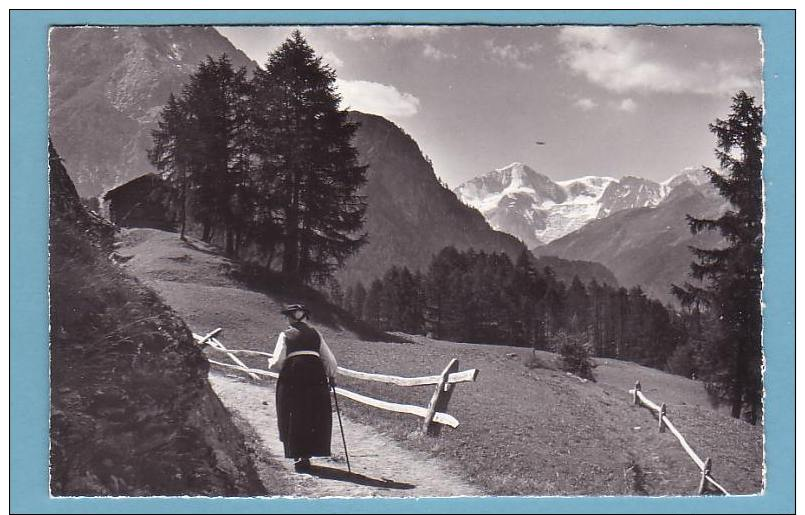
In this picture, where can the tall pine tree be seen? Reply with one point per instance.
(731, 276)
(201, 142)
(303, 142)
(171, 153)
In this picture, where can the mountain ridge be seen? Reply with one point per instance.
(647, 246)
(409, 204)
(107, 87)
(530, 205)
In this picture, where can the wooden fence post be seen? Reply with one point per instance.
(708, 464)
(665, 423)
(438, 402)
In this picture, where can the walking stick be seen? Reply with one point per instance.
(343, 439)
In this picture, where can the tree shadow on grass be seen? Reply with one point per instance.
(358, 479)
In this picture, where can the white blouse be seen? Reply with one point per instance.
(279, 355)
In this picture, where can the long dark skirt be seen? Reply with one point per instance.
(303, 408)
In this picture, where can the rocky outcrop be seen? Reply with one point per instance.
(132, 412)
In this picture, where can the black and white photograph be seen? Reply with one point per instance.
(418, 261)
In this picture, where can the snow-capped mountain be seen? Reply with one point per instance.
(518, 200)
(627, 193)
(649, 247)
(695, 176)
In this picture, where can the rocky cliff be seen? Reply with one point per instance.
(132, 412)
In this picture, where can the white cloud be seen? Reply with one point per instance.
(585, 104)
(431, 52)
(333, 60)
(627, 104)
(517, 56)
(377, 98)
(614, 58)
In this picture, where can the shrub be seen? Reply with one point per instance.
(575, 356)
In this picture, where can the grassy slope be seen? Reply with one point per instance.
(523, 430)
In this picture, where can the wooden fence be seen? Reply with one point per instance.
(639, 399)
(433, 416)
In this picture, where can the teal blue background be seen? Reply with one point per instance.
(29, 380)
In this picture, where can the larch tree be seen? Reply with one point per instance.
(731, 275)
(202, 144)
(215, 98)
(171, 152)
(304, 146)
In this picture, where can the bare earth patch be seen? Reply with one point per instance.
(380, 467)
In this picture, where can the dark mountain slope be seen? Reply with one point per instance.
(411, 216)
(107, 86)
(646, 246)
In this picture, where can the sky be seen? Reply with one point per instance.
(607, 101)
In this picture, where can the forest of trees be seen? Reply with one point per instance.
(267, 161)
(482, 297)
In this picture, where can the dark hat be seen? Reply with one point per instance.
(294, 307)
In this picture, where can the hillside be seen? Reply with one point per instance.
(131, 410)
(646, 246)
(410, 216)
(107, 86)
(567, 269)
(525, 427)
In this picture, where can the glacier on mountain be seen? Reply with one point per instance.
(518, 200)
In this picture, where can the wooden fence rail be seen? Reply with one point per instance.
(433, 415)
(458, 377)
(705, 466)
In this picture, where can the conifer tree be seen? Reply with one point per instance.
(438, 292)
(215, 96)
(358, 300)
(171, 153)
(202, 144)
(731, 276)
(303, 141)
(372, 312)
(578, 305)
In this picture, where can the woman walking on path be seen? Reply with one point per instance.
(306, 367)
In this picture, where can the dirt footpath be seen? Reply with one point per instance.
(380, 467)
(193, 281)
